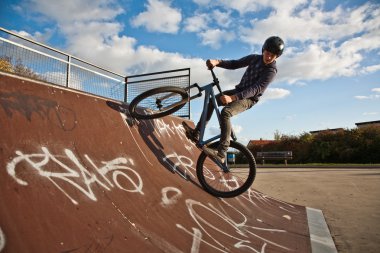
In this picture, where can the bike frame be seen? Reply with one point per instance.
(210, 98)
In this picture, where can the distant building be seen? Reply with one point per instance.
(368, 123)
(325, 131)
(258, 143)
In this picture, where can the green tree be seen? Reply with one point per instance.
(5, 64)
(359, 145)
(19, 68)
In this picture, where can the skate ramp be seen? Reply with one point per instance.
(77, 177)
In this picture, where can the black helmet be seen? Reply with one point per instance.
(275, 45)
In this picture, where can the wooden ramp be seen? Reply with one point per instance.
(76, 177)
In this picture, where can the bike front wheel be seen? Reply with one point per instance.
(158, 102)
(229, 184)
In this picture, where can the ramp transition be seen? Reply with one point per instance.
(76, 177)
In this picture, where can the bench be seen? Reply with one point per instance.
(275, 155)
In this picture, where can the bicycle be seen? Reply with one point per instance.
(221, 180)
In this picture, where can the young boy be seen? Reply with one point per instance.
(259, 74)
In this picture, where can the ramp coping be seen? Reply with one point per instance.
(321, 240)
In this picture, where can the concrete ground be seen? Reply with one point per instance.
(348, 197)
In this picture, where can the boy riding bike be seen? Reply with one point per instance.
(259, 74)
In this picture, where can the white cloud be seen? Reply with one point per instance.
(241, 6)
(327, 41)
(311, 23)
(223, 19)
(370, 113)
(274, 93)
(212, 37)
(371, 96)
(196, 23)
(245, 6)
(361, 97)
(37, 36)
(159, 17)
(92, 33)
(202, 2)
(370, 69)
(82, 11)
(237, 128)
(332, 43)
(215, 37)
(215, 129)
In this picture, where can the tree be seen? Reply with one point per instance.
(359, 145)
(19, 68)
(5, 64)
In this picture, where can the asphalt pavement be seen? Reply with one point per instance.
(348, 197)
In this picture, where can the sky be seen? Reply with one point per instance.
(328, 76)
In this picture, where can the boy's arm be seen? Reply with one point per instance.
(230, 64)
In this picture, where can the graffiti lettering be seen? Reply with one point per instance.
(179, 162)
(253, 196)
(170, 129)
(166, 201)
(80, 176)
(197, 239)
(242, 231)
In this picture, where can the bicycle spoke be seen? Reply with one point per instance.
(161, 102)
(224, 181)
(235, 181)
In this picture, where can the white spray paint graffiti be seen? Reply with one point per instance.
(164, 129)
(245, 235)
(2, 240)
(180, 161)
(117, 167)
(254, 196)
(242, 229)
(166, 201)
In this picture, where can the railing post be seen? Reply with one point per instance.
(126, 89)
(68, 73)
(189, 96)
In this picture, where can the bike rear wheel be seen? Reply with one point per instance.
(227, 184)
(158, 102)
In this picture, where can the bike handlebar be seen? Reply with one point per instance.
(215, 83)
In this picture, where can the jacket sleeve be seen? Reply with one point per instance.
(257, 89)
(236, 64)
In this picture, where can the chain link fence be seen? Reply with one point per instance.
(25, 57)
(31, 59)
(137, 84)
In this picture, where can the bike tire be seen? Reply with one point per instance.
(217, 182)
(147, 101)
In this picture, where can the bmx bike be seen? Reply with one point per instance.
(224, 180)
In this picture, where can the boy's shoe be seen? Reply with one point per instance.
(214, 154)
(192, 134)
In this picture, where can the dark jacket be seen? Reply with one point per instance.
(256, 78)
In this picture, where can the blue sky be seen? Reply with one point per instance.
(329, 75)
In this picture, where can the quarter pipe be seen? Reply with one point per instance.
(77, 177)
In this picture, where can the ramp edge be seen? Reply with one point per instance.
(321, 239)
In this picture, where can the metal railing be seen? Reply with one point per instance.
(137, 84)
(36, 60)
(25, 57)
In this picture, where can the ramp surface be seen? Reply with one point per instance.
(76, 177)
